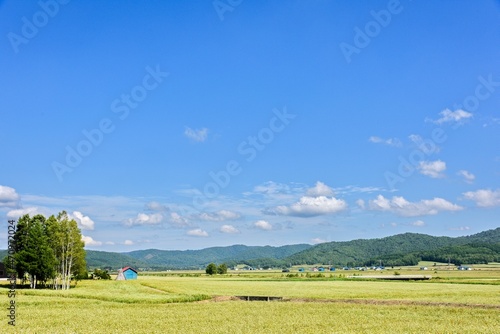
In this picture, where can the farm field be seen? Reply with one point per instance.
(190, 302)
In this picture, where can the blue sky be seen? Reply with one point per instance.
(185, 125)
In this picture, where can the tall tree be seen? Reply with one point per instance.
(68, 246)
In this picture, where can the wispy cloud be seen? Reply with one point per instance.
(198, 135)
(218, 216)
(389, 141)
(448, 116)
(468, 176)
(230, 229)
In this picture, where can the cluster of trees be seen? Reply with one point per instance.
(213, 269)
(49, 252)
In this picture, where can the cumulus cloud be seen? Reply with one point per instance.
(433, 169)
(390, 141)
(309, 206)
(448, 116)
(402, 207)
(128, 242)
(16, 213)
(418, 223)
(84, 222)
(219, 216)
(230, 229)
(145, 219)
(320, 189)
(199, 135)
(90, 242)
(484, 197)
(8, 197)
(197, 233)
(468, 177)
(263, 225)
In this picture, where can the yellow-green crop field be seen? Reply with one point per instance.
(456, 302)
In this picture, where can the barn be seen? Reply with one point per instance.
(126, 273)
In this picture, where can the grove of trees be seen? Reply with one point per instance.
(213, 269)
(49, 252)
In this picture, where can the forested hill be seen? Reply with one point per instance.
(200, 258)
(404, 249)
(401, 249)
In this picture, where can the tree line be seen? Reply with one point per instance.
(49, 252)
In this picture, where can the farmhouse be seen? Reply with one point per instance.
(126, 273)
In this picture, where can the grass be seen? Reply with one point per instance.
(173, 304)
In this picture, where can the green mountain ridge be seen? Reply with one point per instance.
(400, 249)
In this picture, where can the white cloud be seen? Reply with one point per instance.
(21, 212)
(433, 169)
(90, 242)
(199, 135)
(128, 242)
(390, 141)
(320, 189)
(197, 233)
(309, 206)
(318, 241)
(145, 219)
(360, 203)
(484, 197)
(156, 206)
(460, 228)
(263, 225)
(402, 207)
(468, 177)
(8, 197)
(230, 229)
(219, 216)
(84, 222)
(271, 188)
(418, 223)
(448, 116)
(178, 220)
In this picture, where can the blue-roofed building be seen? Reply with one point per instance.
(126, 273)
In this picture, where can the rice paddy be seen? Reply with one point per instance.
(467, 302)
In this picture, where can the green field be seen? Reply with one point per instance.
(190, 302)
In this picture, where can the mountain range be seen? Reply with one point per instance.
(401, 249)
